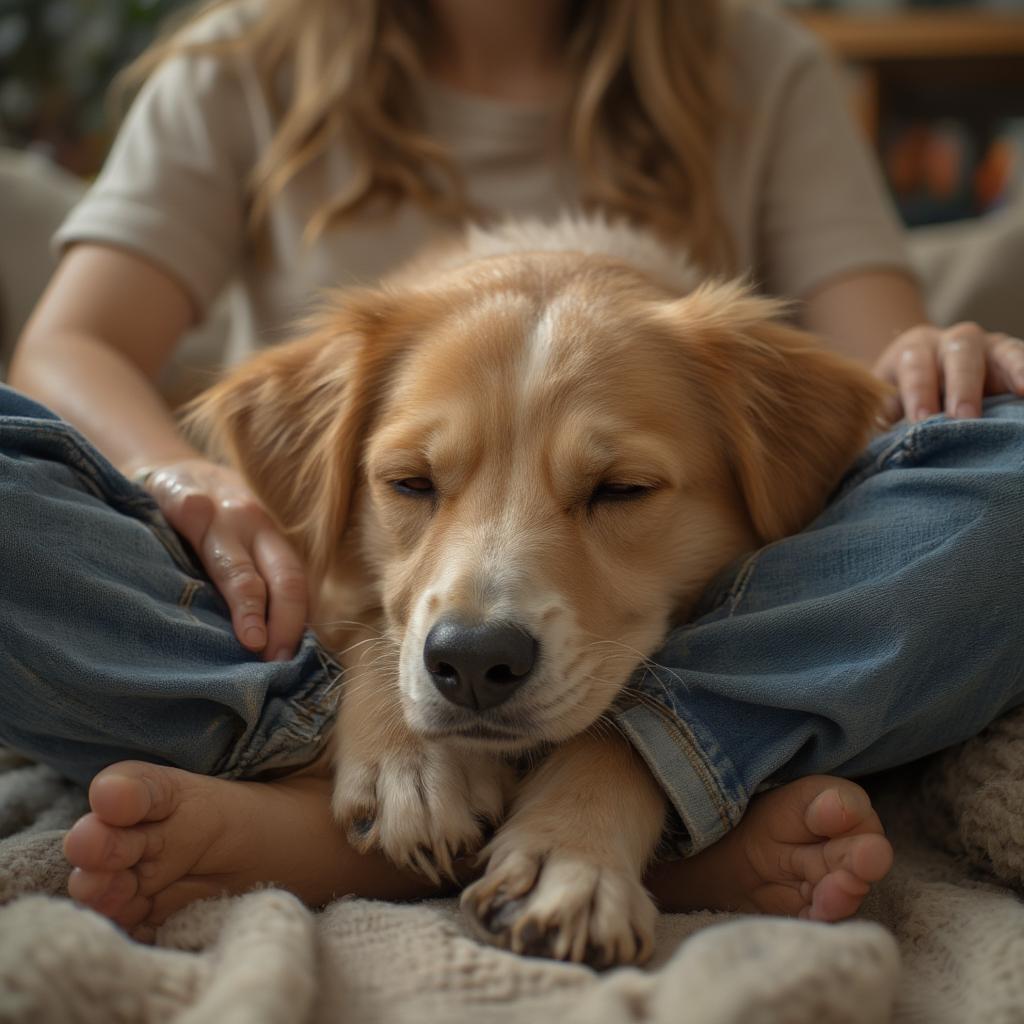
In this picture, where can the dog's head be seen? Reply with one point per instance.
(539, 461)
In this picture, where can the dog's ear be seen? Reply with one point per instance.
(792, 416)
(293, 419)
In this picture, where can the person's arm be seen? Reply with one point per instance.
(91, 351)
(862, 313)
(878, 318)
(105, 327)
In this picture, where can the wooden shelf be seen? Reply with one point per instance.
(942, 34)
(961, 56)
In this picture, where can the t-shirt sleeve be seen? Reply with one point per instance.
(824, 209)
(172, 188)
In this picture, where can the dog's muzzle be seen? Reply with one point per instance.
(479, 666)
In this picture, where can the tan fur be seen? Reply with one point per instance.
(517, 382)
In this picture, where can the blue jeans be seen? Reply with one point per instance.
(113, 642)
(890, 628)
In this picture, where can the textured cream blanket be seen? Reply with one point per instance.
(942, 940)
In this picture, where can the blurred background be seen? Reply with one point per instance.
(938, 87)
(57, 59)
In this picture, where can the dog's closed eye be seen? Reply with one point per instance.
(613, 490)
(607, 491)
(415, 486)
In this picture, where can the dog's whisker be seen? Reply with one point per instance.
(645, 696)
(560, 698)
(644, 661)
(375, 647)
(385, 657)
(598, 728)
(631, 689)
(571, 700)
(370, 643)
(606, 725)
(378, 671)
(348, 622)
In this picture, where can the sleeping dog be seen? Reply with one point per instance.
(510, 470)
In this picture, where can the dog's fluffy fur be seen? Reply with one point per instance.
(556, 427)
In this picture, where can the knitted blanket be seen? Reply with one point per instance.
(940, 941)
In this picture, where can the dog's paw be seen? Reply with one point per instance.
(562, 904)
(423, 806)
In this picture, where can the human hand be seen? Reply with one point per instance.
(950, 369)
(252, 565)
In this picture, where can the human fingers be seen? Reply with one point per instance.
(1005, 364)
(283, 574)
(217, 516)
(226, 554)
(916, 372)
(181, 501)
(962, 353)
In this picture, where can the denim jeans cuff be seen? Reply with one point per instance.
(292, 731)
(700, 783)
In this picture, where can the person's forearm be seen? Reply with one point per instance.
(97, 389)
(861, 314)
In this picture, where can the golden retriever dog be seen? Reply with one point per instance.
(510, 470)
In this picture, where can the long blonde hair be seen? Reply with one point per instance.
(641, 121)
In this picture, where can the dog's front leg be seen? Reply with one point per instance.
(423, 804)
(564, 875)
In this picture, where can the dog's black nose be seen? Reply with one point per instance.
(478, 666)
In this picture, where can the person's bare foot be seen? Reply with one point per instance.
(809, 849)
(159, 838)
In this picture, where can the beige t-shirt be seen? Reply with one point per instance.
(800, 194)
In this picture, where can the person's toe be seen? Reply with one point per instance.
(133, 791)
(106, 892)
(838, 874)
(88, 886)
(123, 888)
(836, 897)
(133, 913)
(156, 875)
(841, 808)
(94, 845)
(148, 818)
(867, 857)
